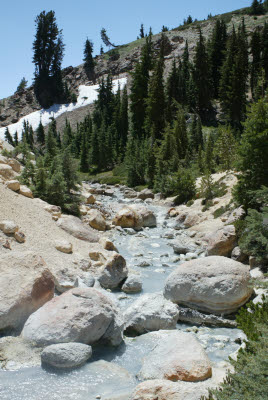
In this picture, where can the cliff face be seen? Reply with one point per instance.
(18, 105)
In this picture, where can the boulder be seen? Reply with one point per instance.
(26, 284)
(25, 191)
(147, 215)
(90, 199)
(133, 284)
(151, 312)
(14, 164)
(96, 220)
(6, 171)
(13, 185)
(183, 245)
(191, 220)
(8, 227)
(107, 244)
(66, 355)
(83, 315)
(195, 317)
(222, 242)
(75, 227)
(145, 194)
(177, 356)
(130, 194)
(113, 271)
(55, 210)
(128, 218)
(64, 246)
(213, 284)
(238, 255)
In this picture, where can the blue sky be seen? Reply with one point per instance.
(84, 18)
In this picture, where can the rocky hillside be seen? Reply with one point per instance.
(18, 105)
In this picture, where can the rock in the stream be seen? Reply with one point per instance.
(113, 272)
(107, 244)
(222, 242)
(183, 245)
(79, 315)
(145, 194)
(25, 285)
(151, 312)
(66, 355)
(178, 356)
(147, 216)
(75, 227)
(133, 284)
(196, 317)
(212, 284)
(135, 216)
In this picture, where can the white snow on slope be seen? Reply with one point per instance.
(87, 95)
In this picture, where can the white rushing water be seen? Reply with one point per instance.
(96, 379)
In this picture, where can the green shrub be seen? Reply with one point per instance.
(112, 180)
(184, 186)
(190, 203)
(220, 211)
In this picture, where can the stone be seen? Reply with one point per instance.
(8, 227)
(151, 312)
(83, 315)
(107, 244)
(25, 191)
(191, 220)
(183, 245)
(133, 284)
(20, 237)
(15, 165)
(196, 317)
(64, 246)
(128, 218)
(147, 215)
(90, 199)
(13, 185)
(87, 281)
(75, 227)
(55, 210)
(145, 194)
(113, 272)
(238, 255)
(96, 220)
(6, 171)
(256, 273)
(222, 242)
(26, 284)
(235, 215)
(83, 210)
(66, 355)
(212, 284)
(177, 356)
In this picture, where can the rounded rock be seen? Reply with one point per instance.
(66, 355)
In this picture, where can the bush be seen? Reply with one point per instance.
(184, 186)
(254, 235)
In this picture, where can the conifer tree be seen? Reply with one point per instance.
(196, 134)
(172, 92)
(201, 75)
(264, 51)
(89, 64)
(69, 169)
(22, 85)
(40, 188)
(48, 54)
(180, 134)
(257, 7)
(208, 156)
(40, 133)
(56, 186)
(124, 119)
(255, 67)
(84, 154)
(15, 139)
(141, 31)
(8, 137)
(105, 38)
(50, 145)
(226, 147)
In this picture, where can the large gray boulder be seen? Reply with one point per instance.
(147, 215)
(66, 355)
(25, 285)
(135, 216)
(75, 227)
(83, 315)
(213, 284)
(151, 312)
(178, 356)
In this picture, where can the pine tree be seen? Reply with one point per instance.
(196, 134)
(40, 133)
(28, 173)
(40, 189)
(208, 156)
(15, 139)
(124, 119)
(255, 46)
(216, 52)
(139, 89)
(22, 85)
(50, 145)
(264, 51)
(84, 154)
(172, 92)
(8, 137)
(48, 54)
(256, 8)
(105, 38)
(56, 186)
(180, 134)
(226, 147)
(155, 110)
(89, 64)
(69, 170)
(201, 75)
(142, 32)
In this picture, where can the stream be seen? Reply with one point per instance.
(148, 253)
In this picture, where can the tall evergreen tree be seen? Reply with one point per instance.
(255, 47)
(89, 64)
(48, 54)
(180, 135)
(40, 133)
(201, 75)
(8, 137)
(141, 31)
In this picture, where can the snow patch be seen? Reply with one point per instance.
(87, 95)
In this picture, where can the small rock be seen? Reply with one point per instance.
(19, 236)
(90, 199)
(133, 284)
(8, 227)
(13, 185)
(66, 355)
(107, 244)
(64, 246)
(25, 191)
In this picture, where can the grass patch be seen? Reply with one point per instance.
(220, 211)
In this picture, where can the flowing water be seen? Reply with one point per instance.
(148, 253)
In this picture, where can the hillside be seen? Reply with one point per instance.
(13, 108)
